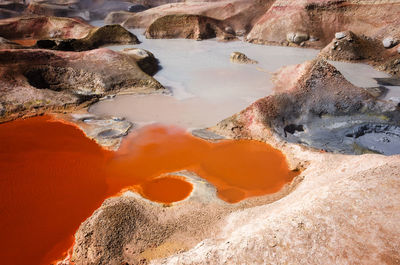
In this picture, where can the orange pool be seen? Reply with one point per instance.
(53, 178)
(166, 189)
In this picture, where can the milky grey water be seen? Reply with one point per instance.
(207, 88)
(364, 75)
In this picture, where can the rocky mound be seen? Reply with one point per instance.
(106, 35)
(347, 46)
(42, 27)
(240, 15)
(320, 20)
(35, 81)
(187, 27)
(314, 110)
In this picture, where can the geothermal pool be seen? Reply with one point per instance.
(53, 177)
(205, 86)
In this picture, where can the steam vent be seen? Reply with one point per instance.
(199, 132)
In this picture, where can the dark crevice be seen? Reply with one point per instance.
(292, 128)
(36, 79)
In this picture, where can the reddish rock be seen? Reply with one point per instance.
(323, 18)
(42, 27)
(187, 27)
(97, 37)
(240, 15)
(353, 48)
(64, 33)
(36, 81)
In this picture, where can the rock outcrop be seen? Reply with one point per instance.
(97, 37)
(42, 27)
(187, 27)
(66, 34)
(108, 132)
(35, 81)
(350, 47)
(322, 19)
(347, 46)
(240, 15)
(238, 57)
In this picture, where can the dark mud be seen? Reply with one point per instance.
(348, 135)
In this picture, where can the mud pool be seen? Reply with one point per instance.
(53, 177)
(205, 86)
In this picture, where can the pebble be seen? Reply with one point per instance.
(340, 35)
